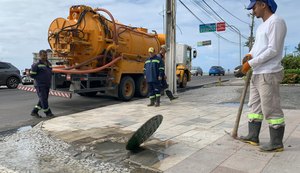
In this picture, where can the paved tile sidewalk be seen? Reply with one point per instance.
(191, 135)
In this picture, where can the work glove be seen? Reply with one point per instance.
(247, 58)
(246, 67)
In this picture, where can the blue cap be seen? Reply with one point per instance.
(271, 3)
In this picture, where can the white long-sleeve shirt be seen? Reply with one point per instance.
(267, 50)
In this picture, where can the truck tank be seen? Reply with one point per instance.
(89, 42)
(99, 54)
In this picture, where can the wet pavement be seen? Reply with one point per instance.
(191, 138)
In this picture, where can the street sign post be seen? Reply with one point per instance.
(210, 27)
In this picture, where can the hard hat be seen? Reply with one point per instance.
(151, 50)
(163, 47)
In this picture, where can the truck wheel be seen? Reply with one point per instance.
(126, 88)
(12, 82)
(141, 89)
(183, 83)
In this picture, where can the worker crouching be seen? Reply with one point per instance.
(153, 73)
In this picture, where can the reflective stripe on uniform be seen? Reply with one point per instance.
(276, 121)
(156, 61)
(41, 65)
(148, 61)
(157, 95)
(32, 72)
(255, 116)
(151, 97)
(161, 68)
(39, 108)
(45, 110)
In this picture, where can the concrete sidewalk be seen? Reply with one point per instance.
(191, 137)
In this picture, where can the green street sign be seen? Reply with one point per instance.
(199, 43)
(210, 27)
(203, 43)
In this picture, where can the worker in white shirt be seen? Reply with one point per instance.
(265, 60)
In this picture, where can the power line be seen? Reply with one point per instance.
(203, 22)
(208, 13)
(231, 13)
(230, 27)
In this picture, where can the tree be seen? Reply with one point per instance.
(298, 48)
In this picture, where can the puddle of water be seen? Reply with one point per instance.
(139, 160)
(147, 157)
(110, 151)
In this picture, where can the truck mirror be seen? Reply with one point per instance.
(194, 53)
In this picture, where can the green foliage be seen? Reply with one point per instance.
(291, 78)
(294, 71)
(290, 62)
(291, 67)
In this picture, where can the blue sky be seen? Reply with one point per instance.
(24, 25)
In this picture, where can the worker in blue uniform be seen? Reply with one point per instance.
(164, 84)
(41, 72)
(154, 72)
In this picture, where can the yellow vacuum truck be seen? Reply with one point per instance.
(97, 54)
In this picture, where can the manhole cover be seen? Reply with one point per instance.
(144, 132)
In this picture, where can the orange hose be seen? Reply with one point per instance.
(86, 71)
(113, 21)
(83, 63)
(59, 66)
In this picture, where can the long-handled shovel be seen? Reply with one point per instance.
(238, 117)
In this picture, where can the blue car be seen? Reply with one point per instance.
(216, 70)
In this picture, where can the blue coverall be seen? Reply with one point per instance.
(163, 82)
(42, 73)
(154, 68)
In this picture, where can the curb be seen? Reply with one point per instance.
(200, 86)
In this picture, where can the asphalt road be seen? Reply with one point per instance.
(16, 105)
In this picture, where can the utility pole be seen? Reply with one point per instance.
(240, 40)
(251, 40)
(218, 50)
(171, 45)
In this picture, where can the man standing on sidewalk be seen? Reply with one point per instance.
(153, 72)
(265, 60)
(41, 72)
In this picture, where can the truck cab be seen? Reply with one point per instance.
(184, 54)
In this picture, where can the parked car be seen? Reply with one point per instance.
(197, 71)
(216, 70)
(236, 69)
(9, 75)
(26, 79)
